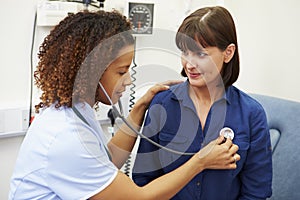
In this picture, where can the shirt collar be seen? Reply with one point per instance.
(181, 93)
(228, 95)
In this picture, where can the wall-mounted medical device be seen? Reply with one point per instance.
(141, 17)
(14, 120)
(50, 13)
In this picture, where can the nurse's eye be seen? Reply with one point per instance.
(122, 73)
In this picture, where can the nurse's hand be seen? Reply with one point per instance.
(148, 96)
(219, 155)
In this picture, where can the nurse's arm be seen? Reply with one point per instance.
(214, 156)
(123, 141)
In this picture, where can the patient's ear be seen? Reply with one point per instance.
(229, 52)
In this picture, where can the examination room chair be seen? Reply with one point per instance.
(284, 122)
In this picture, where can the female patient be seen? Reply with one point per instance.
(191, 114)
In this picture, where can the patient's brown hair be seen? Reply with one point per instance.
(211, 27)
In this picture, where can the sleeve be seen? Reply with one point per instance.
(79, 168)
(147, 165)
(256, 176)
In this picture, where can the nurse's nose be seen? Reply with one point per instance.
(127, 79)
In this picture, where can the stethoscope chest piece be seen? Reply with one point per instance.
(227, 132)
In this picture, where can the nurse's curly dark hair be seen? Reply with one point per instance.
(64, 74)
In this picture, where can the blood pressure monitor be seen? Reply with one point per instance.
(141, 17)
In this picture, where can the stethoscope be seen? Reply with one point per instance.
(226, 131)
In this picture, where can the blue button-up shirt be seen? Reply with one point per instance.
(172, 121)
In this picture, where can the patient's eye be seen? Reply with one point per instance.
(201, 54)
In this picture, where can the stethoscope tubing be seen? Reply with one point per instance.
(120, 114)
(226, 132)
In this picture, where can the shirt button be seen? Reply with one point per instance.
(198, 183)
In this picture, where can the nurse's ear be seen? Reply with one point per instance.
(229, 52)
